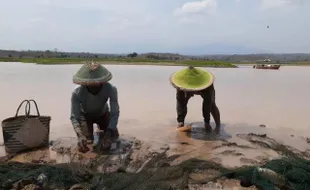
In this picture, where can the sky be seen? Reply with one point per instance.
(176, 26)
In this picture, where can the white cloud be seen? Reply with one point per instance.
(267, 4)
(286, 4)
(197, 7)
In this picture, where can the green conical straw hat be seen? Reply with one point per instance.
(192, 79)
(92, 74)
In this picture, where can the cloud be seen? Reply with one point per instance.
(287, 4)
(196, 7)
(267, 4)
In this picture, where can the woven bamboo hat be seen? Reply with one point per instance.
(92, 74)
(192, 79)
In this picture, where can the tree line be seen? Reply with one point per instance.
(279, 58)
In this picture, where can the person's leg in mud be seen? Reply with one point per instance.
(206, 106)
(103, 123)
(215, 112)
(182, 100)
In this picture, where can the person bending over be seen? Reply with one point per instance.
(193, 81)
(89, 106)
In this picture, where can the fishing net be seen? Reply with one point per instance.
(291, 168)
(295, 172)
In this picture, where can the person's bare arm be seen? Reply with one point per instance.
(114, 108)
(75, 116)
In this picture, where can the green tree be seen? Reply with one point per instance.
(134, 54)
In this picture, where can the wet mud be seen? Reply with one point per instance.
(131, 155)
(238, 145)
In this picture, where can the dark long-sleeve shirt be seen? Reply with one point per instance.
(83, 102)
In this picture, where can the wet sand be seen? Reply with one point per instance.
(246, 97)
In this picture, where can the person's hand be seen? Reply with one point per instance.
(107, 139)
(82, 145)
(82, 140)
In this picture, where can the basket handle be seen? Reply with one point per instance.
(26, 111)
(35, 103)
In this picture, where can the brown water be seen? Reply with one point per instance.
(246, 97)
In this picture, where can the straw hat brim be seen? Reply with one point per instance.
(90, 82)
(205, 81)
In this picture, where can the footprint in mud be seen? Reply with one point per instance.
(249, 161)
(198, 132)
(184, 143)
(231, 152)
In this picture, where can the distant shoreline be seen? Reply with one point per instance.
(138, 61)
(144, 64)
(129, 61)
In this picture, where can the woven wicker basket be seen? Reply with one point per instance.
(25, 132)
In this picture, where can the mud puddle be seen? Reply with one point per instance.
(236, 145)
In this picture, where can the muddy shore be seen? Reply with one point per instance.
(131, 155)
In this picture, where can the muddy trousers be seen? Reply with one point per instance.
(102, 122)
(208, 105)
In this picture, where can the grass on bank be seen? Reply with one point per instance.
(123, 61)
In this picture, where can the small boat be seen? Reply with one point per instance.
(263, 66)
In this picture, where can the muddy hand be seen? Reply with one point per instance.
(82, 142)
(82, 146)
(107, 140)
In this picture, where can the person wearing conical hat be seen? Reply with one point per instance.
(193, 81)
(89, 105)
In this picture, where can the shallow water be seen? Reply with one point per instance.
(245, 97)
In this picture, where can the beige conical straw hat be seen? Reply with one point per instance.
(92, 74)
